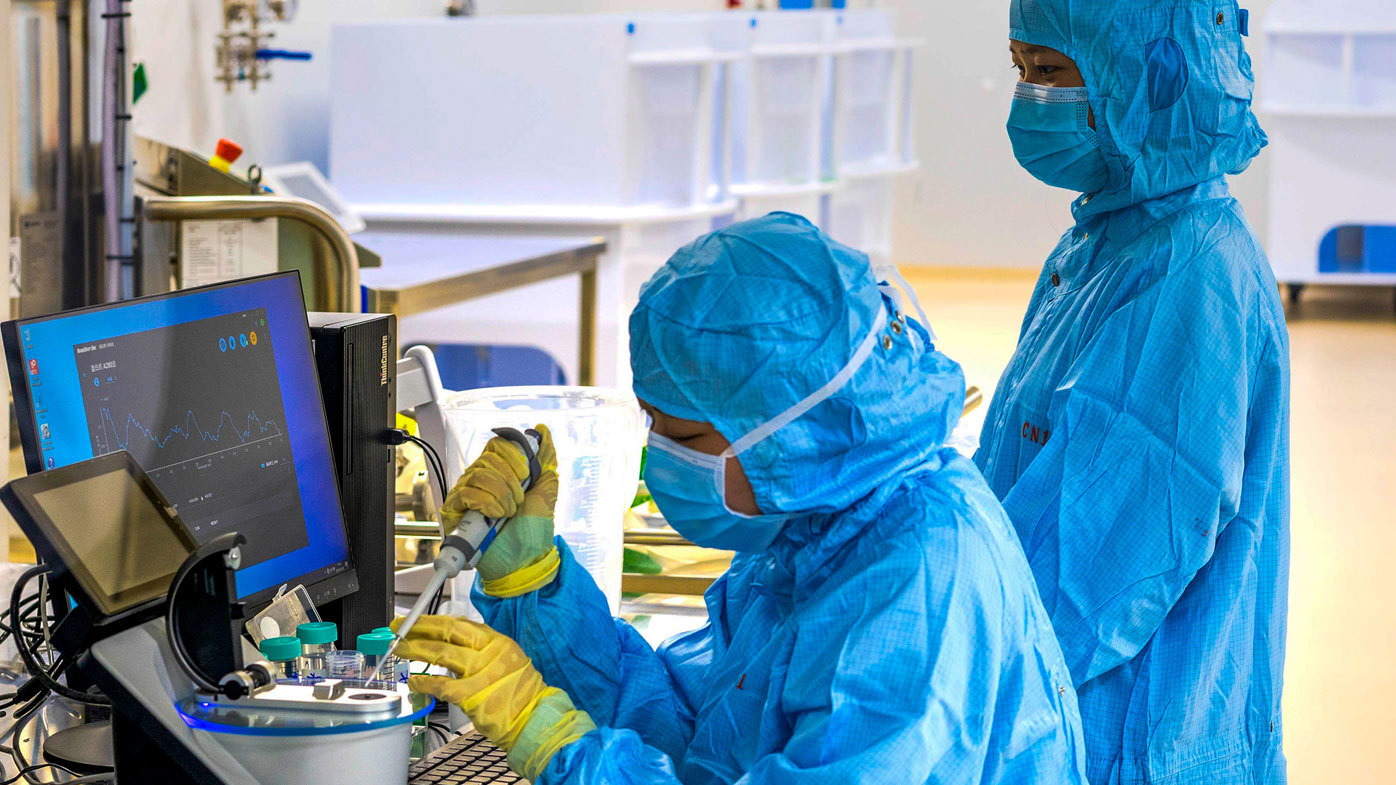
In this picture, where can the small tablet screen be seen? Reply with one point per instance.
(103, 522)
(119, 535)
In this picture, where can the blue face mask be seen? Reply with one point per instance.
(1053, 140)
(690, 489)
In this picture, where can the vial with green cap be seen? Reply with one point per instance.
(285, 653)
(317, 641)
(374, 646)
(395, 665)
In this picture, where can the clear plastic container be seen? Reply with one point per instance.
(285, 653)
(283, 616)
(317, 641)
(345, 664)
(598, 434)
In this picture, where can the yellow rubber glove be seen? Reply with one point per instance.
(497, 686)
(522, 557)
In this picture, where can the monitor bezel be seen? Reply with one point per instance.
(341, 583)
(53, 545)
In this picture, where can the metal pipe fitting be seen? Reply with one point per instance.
(338, 288)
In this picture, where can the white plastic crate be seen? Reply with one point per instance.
(873, 129)
(778, 99)
(860, 215)
(535, 113)
(1328, 98)
(808, 202)
(1374, 77)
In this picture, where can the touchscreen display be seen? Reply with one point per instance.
(118, 535)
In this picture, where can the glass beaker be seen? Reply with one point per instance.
(598, 434)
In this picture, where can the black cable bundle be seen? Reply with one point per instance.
(396, 436)
(21, 635)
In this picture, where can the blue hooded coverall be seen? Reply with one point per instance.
(1139, 437)
(891, 634)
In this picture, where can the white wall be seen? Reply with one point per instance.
(971, 204)
(286, 119)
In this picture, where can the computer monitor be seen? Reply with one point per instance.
(214, 392)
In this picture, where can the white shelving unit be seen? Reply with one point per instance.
(874, 135)
(610, 125)
(1329, 104)
(780, 95)
(646, 129)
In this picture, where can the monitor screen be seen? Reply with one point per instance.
(214, 392)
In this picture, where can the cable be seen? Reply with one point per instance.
(436, 461)
(435, 606)
(196, 674)
(28, 770)
(17, 752)
(397, 436)
(31, 661)
(443, 731)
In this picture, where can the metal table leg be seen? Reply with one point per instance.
(586, 343)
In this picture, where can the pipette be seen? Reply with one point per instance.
(462, 548)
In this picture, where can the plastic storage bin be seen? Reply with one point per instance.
(860, 215)
(1373, 77)
(1358, 249)
(584, 111)
(1329, 106)
(1306, 70)
(598, 435)
(780, 105)
(873, 128)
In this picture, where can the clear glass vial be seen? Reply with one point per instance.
(285, 653)
(374, 646)
(399, 667)
(317, 641)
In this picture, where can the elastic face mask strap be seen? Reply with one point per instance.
(891, 273)
(814, 399)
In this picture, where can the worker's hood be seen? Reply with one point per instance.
(744, 324)
(1170, 84)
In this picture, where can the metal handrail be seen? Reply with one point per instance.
(340, 295)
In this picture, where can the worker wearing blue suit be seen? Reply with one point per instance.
(879, 623)
(1139, 437)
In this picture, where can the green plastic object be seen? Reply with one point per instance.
(388, 630)
(317, 632)
(640, 563)
(286, 647)
(139, 83)
(375, 644)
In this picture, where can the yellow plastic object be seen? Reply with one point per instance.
(495, 683)
(406, 423)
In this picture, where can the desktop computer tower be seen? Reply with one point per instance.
(356, 356)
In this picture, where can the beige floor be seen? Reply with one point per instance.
(1340, 675)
